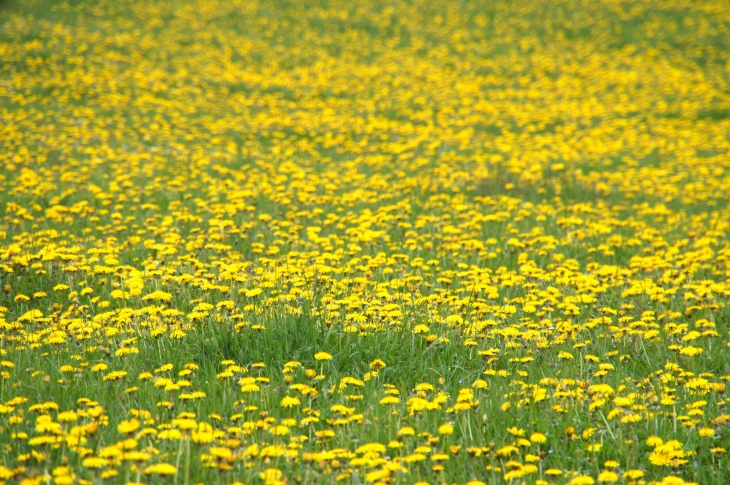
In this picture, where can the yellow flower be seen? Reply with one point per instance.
(671, 480)
(691, 351)
(582, 480)
(654, 441)
(185, 424)
(115, 375)
(279, 430)
(160, 469)
(67, 416)
(158, 295)
(270, 475)
(95, 462)
(290, 401)
(129, 426)
(221, 452)
(202, 434)
(507, 450)
(607, 476)
(538, 438)
(126, 351)
(633, 474)
(322, 356)
(377, 364)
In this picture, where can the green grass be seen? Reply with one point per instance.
(560, 169)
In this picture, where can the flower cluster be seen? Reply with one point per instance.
(371, 242)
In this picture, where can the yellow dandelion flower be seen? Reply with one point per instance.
(607, 476)
(160, 469)
(128, 426)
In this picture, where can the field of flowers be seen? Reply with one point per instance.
(294, 242)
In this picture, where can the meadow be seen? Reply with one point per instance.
(376, 242)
